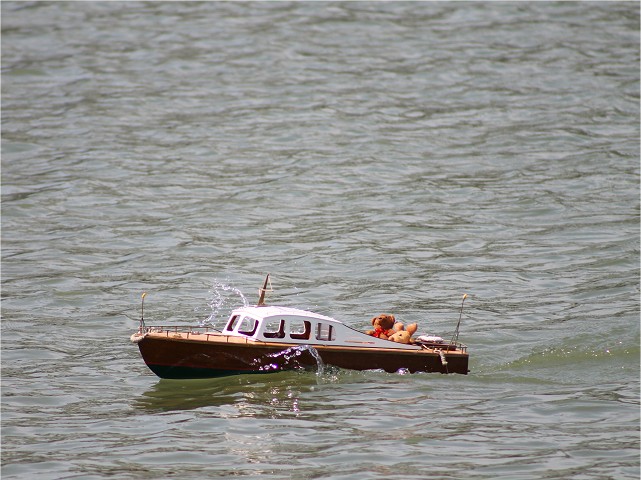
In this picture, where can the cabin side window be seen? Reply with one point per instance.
(232, 323)
(248, 326)
(325, 331)
(300, 329)
(274, 328)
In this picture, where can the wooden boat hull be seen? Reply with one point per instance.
(182, 356)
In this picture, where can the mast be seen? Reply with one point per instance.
(142, 312)
(261, 292)
(455, 336)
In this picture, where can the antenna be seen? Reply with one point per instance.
(261, 291)
(455, 336)
(142, 312)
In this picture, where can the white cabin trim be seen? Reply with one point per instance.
(288, 325)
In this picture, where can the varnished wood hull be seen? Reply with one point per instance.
(202, 356)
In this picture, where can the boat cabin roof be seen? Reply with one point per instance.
(266, 311)
(291, 325)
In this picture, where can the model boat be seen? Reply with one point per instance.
(266, 339)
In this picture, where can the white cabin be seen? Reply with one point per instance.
(299, 327)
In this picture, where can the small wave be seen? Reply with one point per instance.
(574, 354)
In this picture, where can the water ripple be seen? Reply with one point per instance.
(370, 156)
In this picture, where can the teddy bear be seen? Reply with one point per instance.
(403, 335)
(383, 326)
